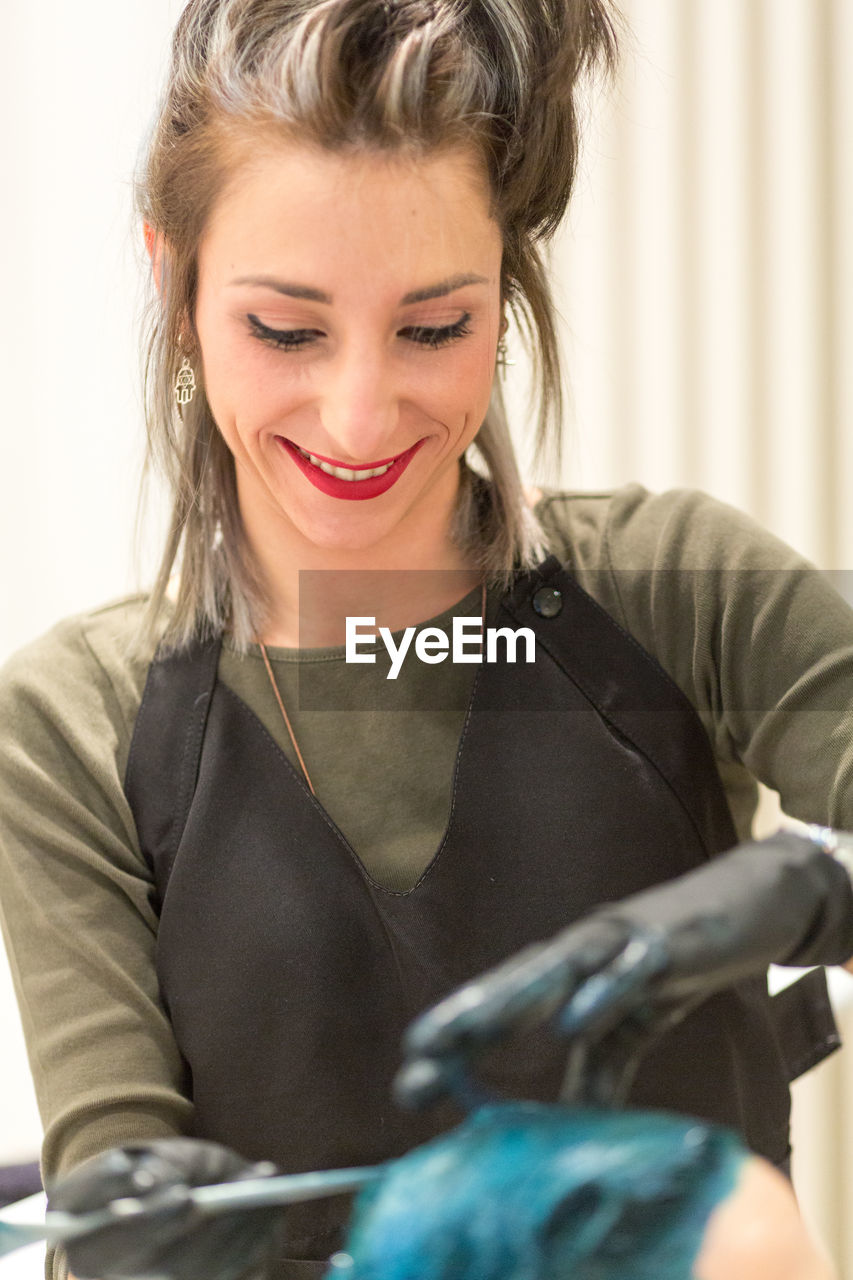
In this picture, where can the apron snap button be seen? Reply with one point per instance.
(547, 602)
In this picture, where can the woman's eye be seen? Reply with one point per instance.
(288, 339)
(294, 339)
(438, 337)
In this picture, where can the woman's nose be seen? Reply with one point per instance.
(359, 408)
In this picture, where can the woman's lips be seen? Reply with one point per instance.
(342, 486)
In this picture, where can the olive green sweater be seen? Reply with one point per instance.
(761, 644)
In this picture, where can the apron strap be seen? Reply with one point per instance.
(804, 1023)
(652, 714)
(162, 766)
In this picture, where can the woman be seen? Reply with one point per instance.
(243, 862)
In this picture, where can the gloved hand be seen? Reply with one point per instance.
(617, 979)
(173, 1239)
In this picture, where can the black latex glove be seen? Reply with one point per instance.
(615, 980)
(174, 1239)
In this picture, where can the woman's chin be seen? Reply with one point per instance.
(349, 534)
(379, 529)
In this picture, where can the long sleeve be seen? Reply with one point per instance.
(76, 898)
(759, 640)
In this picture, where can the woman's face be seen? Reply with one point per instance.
(348, 316)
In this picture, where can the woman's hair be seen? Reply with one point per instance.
(406, 77)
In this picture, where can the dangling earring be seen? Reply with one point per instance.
(503, 361)
(185, 387)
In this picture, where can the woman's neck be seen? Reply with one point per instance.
(402, 581)
(392, 598)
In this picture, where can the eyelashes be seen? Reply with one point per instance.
(285, 339)
(298, 339)
(438, 337)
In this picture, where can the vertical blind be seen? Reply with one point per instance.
(705, 274)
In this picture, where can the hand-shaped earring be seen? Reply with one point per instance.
(185, 387)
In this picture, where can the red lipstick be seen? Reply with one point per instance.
(358, 490)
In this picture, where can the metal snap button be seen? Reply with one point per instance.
(548, 602)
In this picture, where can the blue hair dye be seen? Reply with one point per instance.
(526, 1191)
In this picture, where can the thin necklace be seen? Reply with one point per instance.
(286, 717)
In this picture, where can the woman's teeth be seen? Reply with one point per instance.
(343, 473)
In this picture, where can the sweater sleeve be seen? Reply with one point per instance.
(758, 638)
(76, 898)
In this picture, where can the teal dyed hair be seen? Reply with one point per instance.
(525, 1191)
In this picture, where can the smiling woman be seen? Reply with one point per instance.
(289, 213)
(347, 318)
(234, 865)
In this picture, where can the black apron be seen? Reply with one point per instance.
(289, 975)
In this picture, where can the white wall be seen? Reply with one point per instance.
(77, 88)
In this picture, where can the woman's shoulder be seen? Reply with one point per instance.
(81, 681)
(100, 641)
(631, 528)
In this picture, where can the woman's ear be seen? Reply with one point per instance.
(155, 244)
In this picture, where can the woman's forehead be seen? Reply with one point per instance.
(293, 206)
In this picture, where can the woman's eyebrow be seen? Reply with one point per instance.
(308, 294)
(440, 290)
